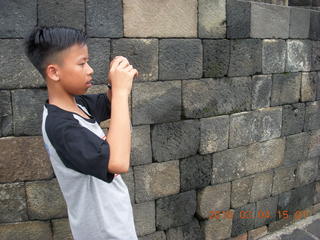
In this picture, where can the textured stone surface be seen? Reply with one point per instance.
(173, 18)
(156, 102)
(296, 148)
(142, 54)
(261, 186)
(240, 194)
(17, 18)
(156, 180)
(314, 144)
(293, 118)
(257, 233)
(273, 55)
(17, 71)
(144, 218)
(13, 206)
(261, 91)
(99, 53)
(307, 171)
(299, 22)
(195, 172)
(315, 55)
(27, 108)
(214, 134)
(30, 230)
(62, 13)
(159, 235)
(219, 228)
(61, 229)
(190, 231)
(312, 118)
(255, 126)
(285, 88)
(6, 121)
(175, 140)
(314, 32)
(104, 18)
(266, 211)
(208, 199)
(141, 145)
(23, 158)
(308, 86)
(243, 219)
(216, 57)
(45, 200)
(298, 55)
(212, 19)
(216, 96)
(245, 57)
(180, 59)
(175, 210)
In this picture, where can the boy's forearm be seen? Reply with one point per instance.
(119, 133)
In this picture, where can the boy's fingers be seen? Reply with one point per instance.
(116, 60)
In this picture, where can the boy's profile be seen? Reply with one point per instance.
(87, 164)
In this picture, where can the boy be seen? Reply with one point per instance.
(87, 163)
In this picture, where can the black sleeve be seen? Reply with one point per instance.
(82, 150)
(98, 105)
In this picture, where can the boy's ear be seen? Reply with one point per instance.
(53, 72)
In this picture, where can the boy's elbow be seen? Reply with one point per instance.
(118, 168)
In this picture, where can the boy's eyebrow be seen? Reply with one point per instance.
(80, 58)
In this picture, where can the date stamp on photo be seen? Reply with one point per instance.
(298, 214)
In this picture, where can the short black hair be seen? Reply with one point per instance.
(44, 42)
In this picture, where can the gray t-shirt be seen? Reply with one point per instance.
(98, 202)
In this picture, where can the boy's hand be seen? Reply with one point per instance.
(121, 74)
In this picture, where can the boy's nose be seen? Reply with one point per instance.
(91, 71)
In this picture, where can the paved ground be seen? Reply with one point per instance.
(306, 229)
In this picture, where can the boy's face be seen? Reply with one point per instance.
(75, 72)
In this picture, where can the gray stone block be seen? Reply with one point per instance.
(273, 55)
(313, 144)
(104, 18)
(141, 145)
(17, 71)
(261, 186)
(299, 2)
(228, 165)
(99, 53)
(297, 199)
(245, 57)
(285, 88)
(195, 172)
(64, 13)
(17, 18)
(61, 229)
(261, 91)
(175, 140)
(216, 57)
(175, 210)
(298, 55)
(266, 211)
(27, 107)
(13, 207)
(308, 86)
(299, 22)
(293, 118)
(296, 148)
(314, 32)
(256, 126)
(312, 118)
(307, 171)
(156, 180)
(284, 179)
(243, 219)
(219, 228)
(190, 231)
(240, 194)
(6, 121)
(180, 59)
(156, 102)
(208, 202)
(159, 235)
(212, 19)
(142, 54)
(45, 200)
(317, 85)
(315, 56)
(214, 134)
(144, 218)
(209, 97)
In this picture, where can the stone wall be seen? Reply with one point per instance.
(225, 114)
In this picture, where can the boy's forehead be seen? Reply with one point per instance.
(77, 52)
